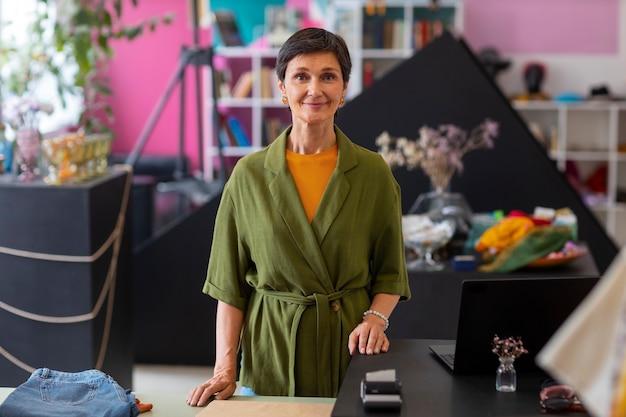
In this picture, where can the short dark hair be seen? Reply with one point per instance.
(313, 40)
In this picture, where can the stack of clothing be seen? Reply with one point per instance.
(62, 394)
(518, 239)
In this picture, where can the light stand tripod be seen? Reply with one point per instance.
(195, 187)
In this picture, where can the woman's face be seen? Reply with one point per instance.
(314, 87)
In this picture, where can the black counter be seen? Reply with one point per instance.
(429, 389)
(59, 255)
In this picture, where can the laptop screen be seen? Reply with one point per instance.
(532, 308)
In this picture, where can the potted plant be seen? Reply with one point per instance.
(70, 42)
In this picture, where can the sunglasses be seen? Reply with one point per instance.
(555, 397)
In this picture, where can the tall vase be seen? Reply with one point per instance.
(506, 376)
(27, 141)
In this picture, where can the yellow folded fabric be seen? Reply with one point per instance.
(537, 243)
(504, 233)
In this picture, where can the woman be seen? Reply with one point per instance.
(307, 261)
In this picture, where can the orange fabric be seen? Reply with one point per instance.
(143, 407)
(311, 174)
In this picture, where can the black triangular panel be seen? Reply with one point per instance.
(445, 83)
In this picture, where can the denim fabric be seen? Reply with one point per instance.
(247, 391)
(61, 394)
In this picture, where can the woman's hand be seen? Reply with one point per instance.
(228, 322)
(220, 387)
(369, 337)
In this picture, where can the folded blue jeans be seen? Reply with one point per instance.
(61, 394)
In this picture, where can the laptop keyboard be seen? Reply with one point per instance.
(448, 358)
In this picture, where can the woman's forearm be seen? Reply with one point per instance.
(229, 322)
(384, 303)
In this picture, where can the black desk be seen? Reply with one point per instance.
(433, 310)
(428, 389)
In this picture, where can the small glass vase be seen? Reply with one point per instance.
(506, 376)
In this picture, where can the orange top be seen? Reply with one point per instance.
(311, 174)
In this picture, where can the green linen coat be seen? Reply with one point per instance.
(304, 286)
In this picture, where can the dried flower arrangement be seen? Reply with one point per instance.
(509, 347)
(439, 152)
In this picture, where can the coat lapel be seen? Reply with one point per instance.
(337, 189)
(283, 190)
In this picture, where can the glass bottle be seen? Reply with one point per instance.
(506, 376)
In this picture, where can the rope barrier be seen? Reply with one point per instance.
(108, 288)
(63, 258)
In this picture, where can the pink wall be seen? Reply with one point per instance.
(543, 26)
(140, 72)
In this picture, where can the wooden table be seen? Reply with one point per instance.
(174, 405)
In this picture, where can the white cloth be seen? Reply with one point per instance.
(587, 351)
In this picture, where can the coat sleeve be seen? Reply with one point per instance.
(388, 260)
(228, 259)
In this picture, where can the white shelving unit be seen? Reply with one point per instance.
(251, 110)
(590, 134)
(384, 40)
(347, 18)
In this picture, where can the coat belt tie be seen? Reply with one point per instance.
(321, 303)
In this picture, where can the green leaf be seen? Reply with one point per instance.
(118, 8)
(82, 39)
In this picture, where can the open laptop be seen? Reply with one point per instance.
(532, 308)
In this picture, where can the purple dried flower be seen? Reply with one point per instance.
(21, 112)
(439, 152)
(509, 347)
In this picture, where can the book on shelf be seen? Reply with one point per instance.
(227, 28)
(243, 86)
(382, 33)
(269, 83)
(387, 34)
(397, 35)
(369, 38)
(224, 132)
(368, 73)
(267, 77)
(239, 135)
(222, 136)
(276, 93)
(424, 31)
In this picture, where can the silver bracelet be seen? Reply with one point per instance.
(378, 314)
